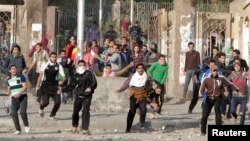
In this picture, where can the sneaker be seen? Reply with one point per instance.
(86, 132)
(143, 126)
(223, 116)
(190, 112)
(127, 131)
(52, 118)
(73, 129)
(17, 132)
(152, 116)
(27, 129)
(41, 113)
(233, 119)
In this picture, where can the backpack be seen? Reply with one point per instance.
(241, 81)
(135, 33)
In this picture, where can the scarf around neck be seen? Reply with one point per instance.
(138, 80)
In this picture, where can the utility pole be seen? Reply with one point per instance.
(131, 11)
(100, 21)
(80, 28)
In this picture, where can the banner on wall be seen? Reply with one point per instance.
(36, 34)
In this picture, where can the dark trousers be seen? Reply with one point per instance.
(207, 107)
(161, 97)
(21, 103)
(44, 102)
(131, 114)
(243, 106)
(226, 100)
(84, 104)
(33, 76)
(196, 87)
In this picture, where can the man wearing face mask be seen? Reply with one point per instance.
(84, 83)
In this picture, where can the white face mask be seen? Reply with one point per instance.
(81, 70)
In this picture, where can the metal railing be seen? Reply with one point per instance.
(220, 7)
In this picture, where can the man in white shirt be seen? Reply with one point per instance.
(40, 58)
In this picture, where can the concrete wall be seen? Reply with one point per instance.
(51, 27)
(182, 32)
(106, 99)
(240, 27)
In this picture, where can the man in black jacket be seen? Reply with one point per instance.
(243, 63)
(225, 98)
(222, 66)
(84, 83)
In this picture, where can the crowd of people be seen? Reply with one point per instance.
(64, 77)
(219, 84)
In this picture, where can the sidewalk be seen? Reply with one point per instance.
(174, 124)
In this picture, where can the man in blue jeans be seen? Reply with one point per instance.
(191, 63)
(239, 78)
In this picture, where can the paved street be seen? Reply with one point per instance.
(174, 124)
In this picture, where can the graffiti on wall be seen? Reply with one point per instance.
(36, 34)
(187, 35)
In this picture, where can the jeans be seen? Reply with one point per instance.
(207, 107)
(243, 106)
(131, 114)
(196, 87)
(226, 101)
(21, 103)
(189, 75)
(84, 104)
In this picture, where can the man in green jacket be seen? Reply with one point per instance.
(159, 73)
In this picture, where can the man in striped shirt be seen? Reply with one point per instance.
(17, 88)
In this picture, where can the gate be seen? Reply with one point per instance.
(5, 29)
(213, 28)
(67, 17)
(142, 11)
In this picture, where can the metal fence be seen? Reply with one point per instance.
(68, 15)
(219, 7)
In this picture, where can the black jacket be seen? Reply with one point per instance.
(224, 70)
(81, 82)
(243, 64)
